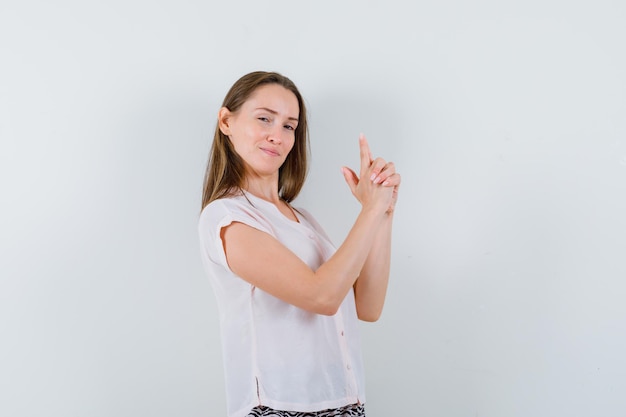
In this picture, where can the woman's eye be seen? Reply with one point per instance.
(264, 119)
(288, 127)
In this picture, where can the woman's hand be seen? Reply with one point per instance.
(378, 182)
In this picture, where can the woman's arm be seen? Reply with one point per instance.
(264, 262)
(370, 288)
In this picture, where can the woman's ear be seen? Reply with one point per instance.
(223, 120)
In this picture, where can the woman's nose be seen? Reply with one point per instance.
(275, 135)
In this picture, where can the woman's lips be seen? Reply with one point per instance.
(270, 152)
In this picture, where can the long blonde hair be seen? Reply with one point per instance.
(225, 172)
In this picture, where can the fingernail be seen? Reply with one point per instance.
(386, 183)
(373, 177)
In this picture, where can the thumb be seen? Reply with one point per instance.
(351, 178)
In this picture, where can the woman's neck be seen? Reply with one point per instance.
(266, 190)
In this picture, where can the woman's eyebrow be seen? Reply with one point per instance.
(275, 112)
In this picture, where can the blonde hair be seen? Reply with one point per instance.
(225, 173)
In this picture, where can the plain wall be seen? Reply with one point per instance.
(507, 122)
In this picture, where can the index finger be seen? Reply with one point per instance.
(366, 154)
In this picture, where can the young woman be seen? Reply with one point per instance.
(289, 301)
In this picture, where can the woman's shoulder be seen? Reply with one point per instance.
(231, 206)
(223, 206)
(237, 208)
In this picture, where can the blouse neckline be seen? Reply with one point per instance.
(249, 195)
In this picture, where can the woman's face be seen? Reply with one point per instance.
(263, 129)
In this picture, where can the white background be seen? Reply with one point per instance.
(506, 121)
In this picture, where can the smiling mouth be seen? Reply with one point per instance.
(270, 152)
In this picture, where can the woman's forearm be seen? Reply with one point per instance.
(370, 288)
(341, 271)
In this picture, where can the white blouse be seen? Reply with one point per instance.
(276, 354)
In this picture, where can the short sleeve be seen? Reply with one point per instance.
(219, 214)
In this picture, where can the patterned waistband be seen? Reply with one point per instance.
(353, 410)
